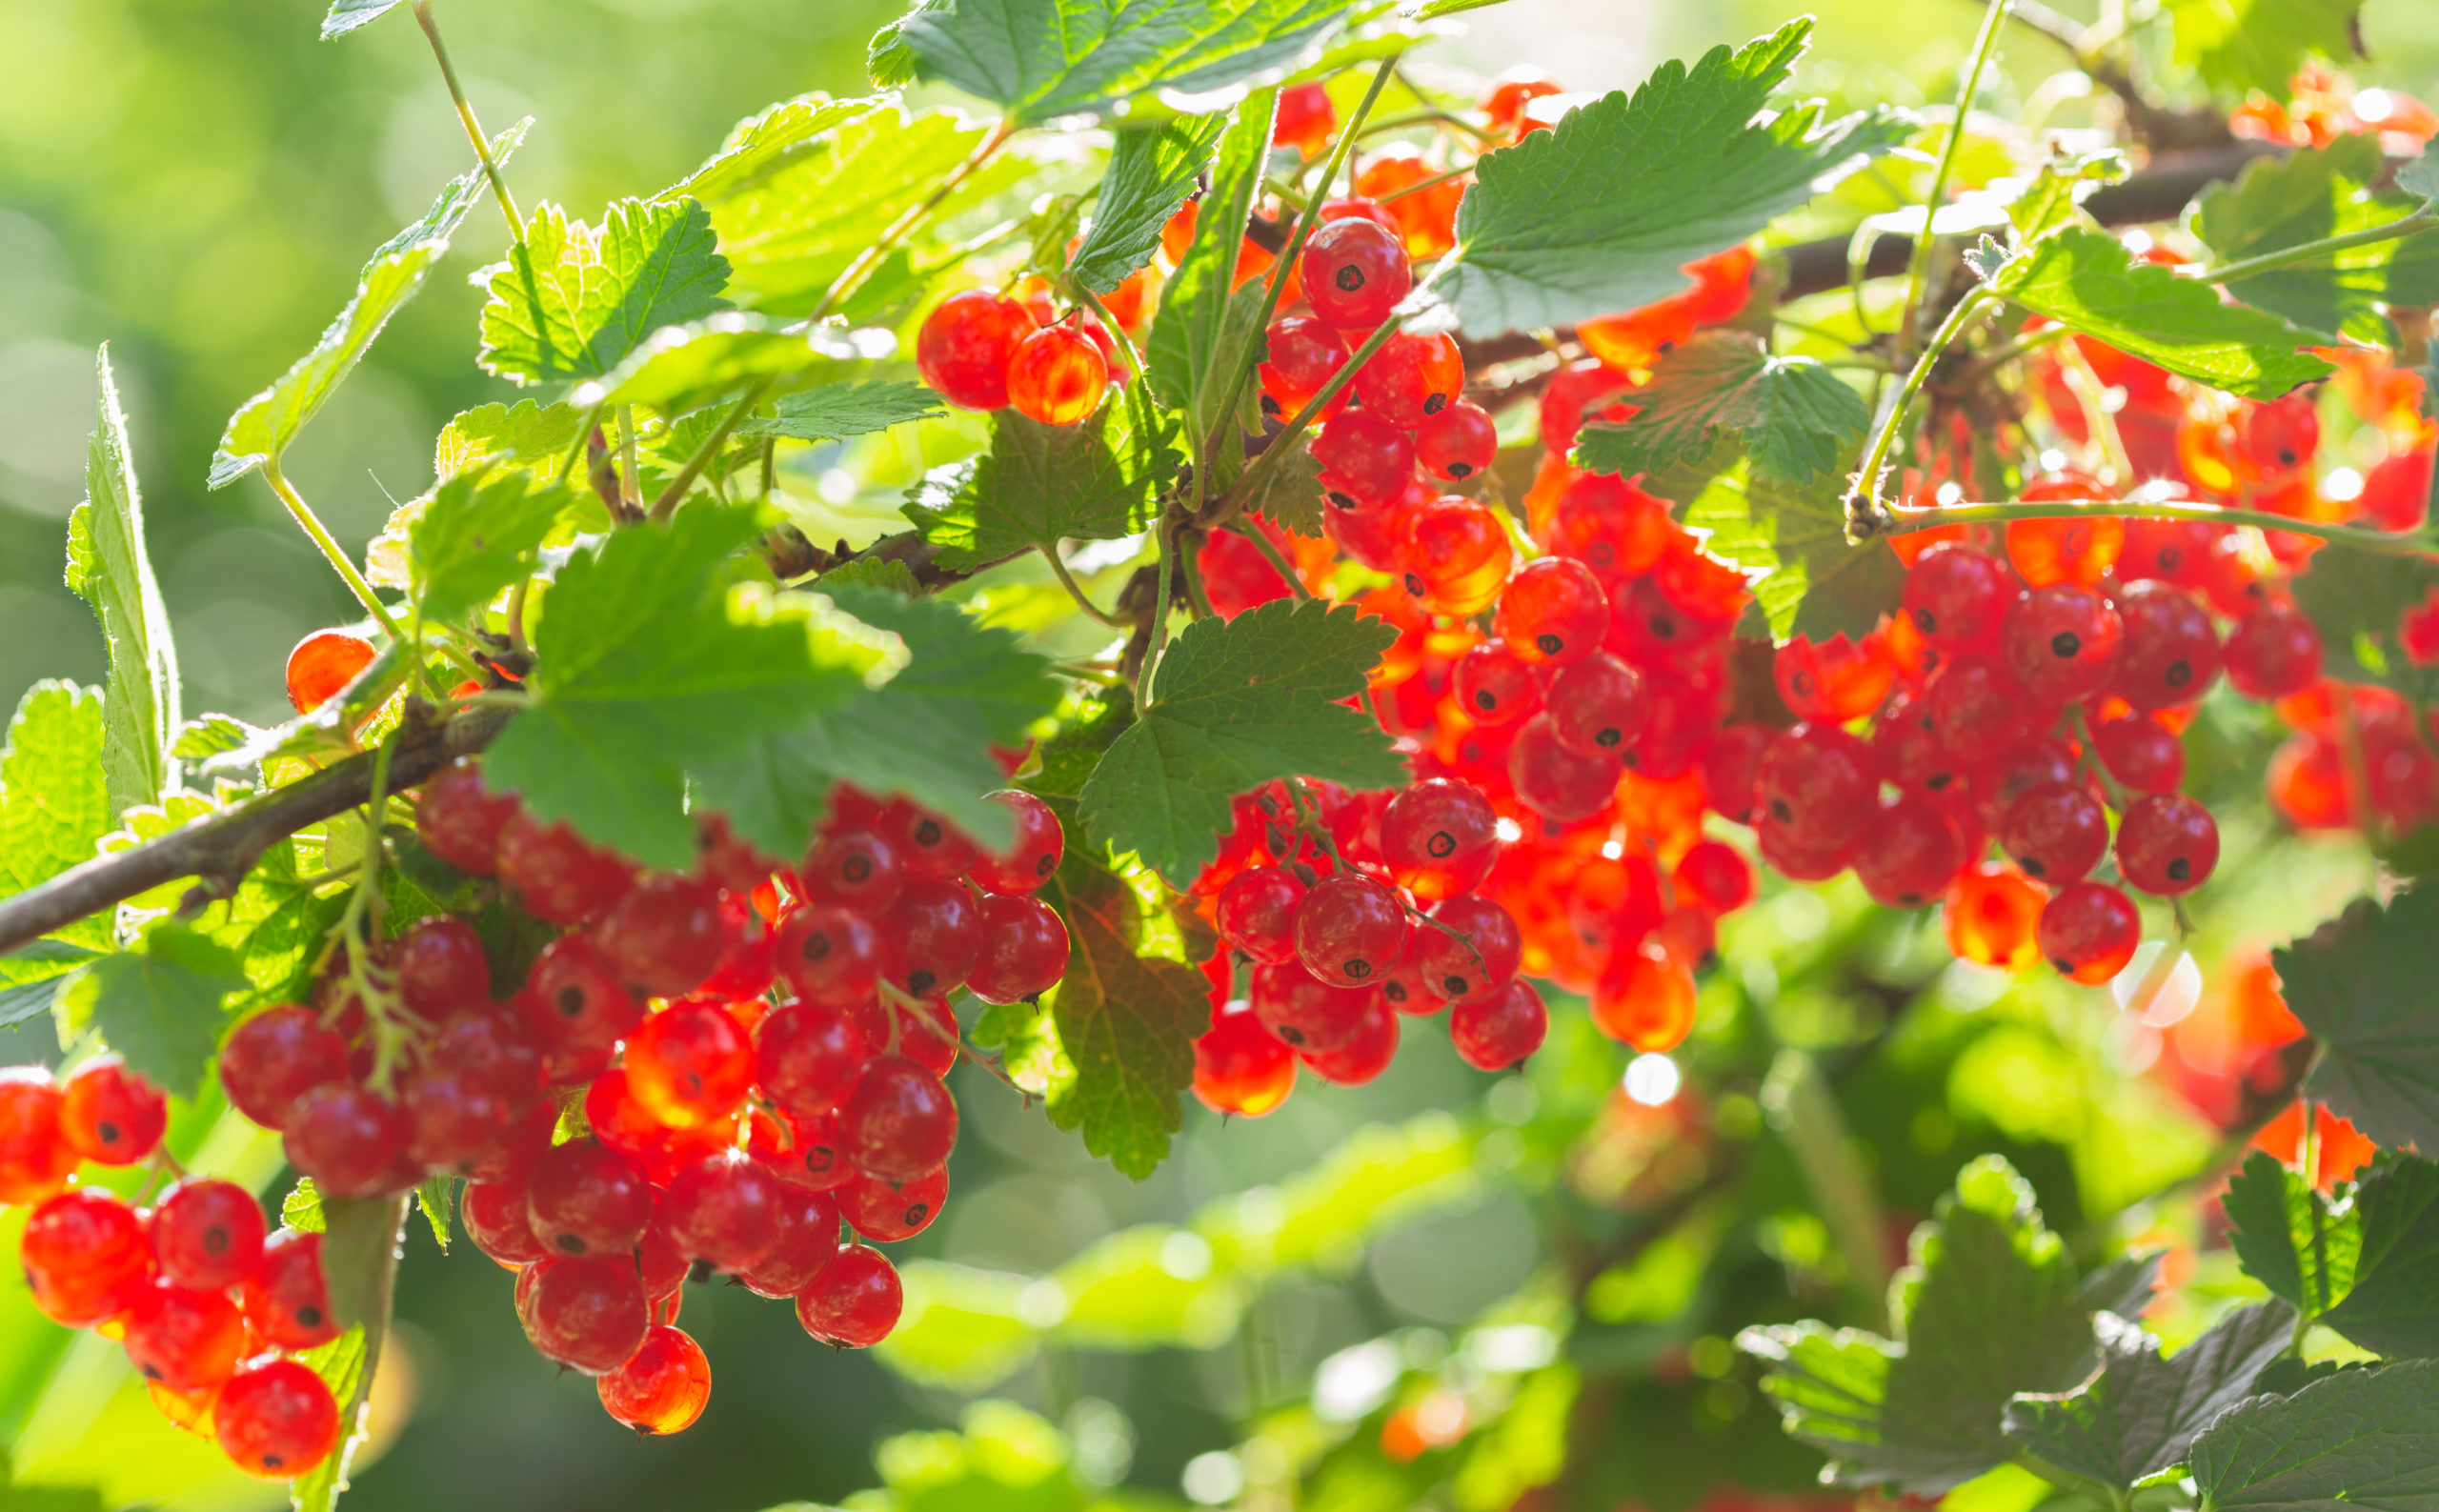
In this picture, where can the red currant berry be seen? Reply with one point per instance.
(85, 1256)
(2275, 653)
(2089, 931)
(855, 1302)
(186, 1339)
(1023, 949)
(276, 1421)
(2039, 762)
(1552, 780)
(1300, 358)
(1440, 839)
(1497, 1032)
(930, 935)
(886, 1214)
(1714, 876)
(665, 936)
(1457, 443)
(2396, 493)
(109, 1114)
(441, 967)
(460, 821)
(1366, 462)
(2167, 844)
(1975, 709)
(276, 1056)
(1797, 857)
(35, 1158)
(322, 666)
(1598, 707)
(808, 1056)
(927, 1033)
(1495, 687)
(1255, 912)
(2169, 550)
(1349, 930)
(1835, 680)
(286, 1300)
(1365, 1054)
(690, 1064)
(2062, 642)
(1553, 611)
(494, 1044)
(1032, 855)
(1991, 915)
(807, 1239)
(1909, 852)
(899, 1122)
(1732, 770)
(1353, 273)
(1646, 1001)
(662, 1388)
(1239, 1067)
(1818, 782)
(575, 1001)
(2077, 549)
(1959, 597)
(2057, 833)
(1610, 526)
(853, 868)
(559, 877)
(585, 1197)
(1411, 379)
(1058, 376)
(828, 953)
(2171, 652)
(803, 1151)
(495, 1216)
(206, 1234)
(1470, 949)
(1301, 1010)
(966, 344)
(1305, 120)
(347, 1138)
(2280, 437)
(585, 1312)
(723, 1210)
(2139, 752)
(1457, 555)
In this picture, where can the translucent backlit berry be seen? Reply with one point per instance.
(324, 663)
(1350, 929)
(276, 1420)
(1411, 378)
(1058, 376)
(1239, 1067)
(1353, 273)
(109, 1114)
(1456, 443)
(2089, 931)
(966, 344)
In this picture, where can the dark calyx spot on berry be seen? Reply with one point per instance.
(693, 1083)
(1270, 405)
(1802, 681)
(1044, 864)
(1348, 277)
(1441, 846)
(1938, 781)
(1460, 470)
(215, 1241)
(2180, 674)
(1394, 990)
(1911, 900)
(919, 982)
(817, 945)
(570, 1244)
(1926, 622)
(1663, 628)
(272, 1461)
(820, 1158)
(1601, 554)
(929, 833)
(2180, 870)
(857, 868)
(1357, 969)
(1485, 700)
(309, 1317)
(2172, 558)
(1780, 811)
(1435, 404)
(1414, 585)
(108, 1133)
(152, 1372)
(916, 1215)
(700, 1272)
(1344, 501)
(1608, 736)
(2065, 644)
(1452, 986)
(2032, 866)
(1291, 1034)
(571, 1002)
(1551, 645)
(2063, 964)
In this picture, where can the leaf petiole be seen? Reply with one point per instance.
(2413, 225)
(1903, 517)
(331, 550)
(1076, 590)
(1866, 514)
(466, 118)
(1917, 268)
(1271, 554)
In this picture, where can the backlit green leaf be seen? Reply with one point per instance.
(532, 436)
(346, 15)
(2365, 1263)
(2316, 193)
(2241, 45)
(2357, 1438)
(54, 803)
(2362, 983)
(1201, 336)
(1806, 578)
(109, 569)
(1798, 420)
(571, 300)
(158, 1003)
(1040, 484)
(685, 367)
(478, 536)
(1152, 170)
(835, 411)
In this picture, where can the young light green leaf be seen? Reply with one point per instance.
(301, 1209)
(2358, 600)
(526, 434)
(1040, 484)
(685, 367)
(435, 1196)
(1988, 1309)
(158, 1004)
(2050, 196)
(571, 300)
(2241, 45)
(2088, 281)
(1152, 170)
(2316, 193)
(1792, 544)
(2140, 1415)
(835, 411)
(109, 569)
(648, 667)
(2362, 984)
(206, 735)
(1235, 704)
(480, 534)
(1040, 59)
(1200, 336)
(277, 923)
(1798, 420)
(2357, 1438)
(53, 804)
(1599, 214)
(346, 15)
(264, 425)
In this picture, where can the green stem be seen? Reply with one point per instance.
(466, 118)
(667, 503)
(1272, 554)
(1866, 514)
(1167, 549)
(1804, 1112)
(1918, 269)
(1250, 485)
(2386, 543)
(313, 528)
(1076, 590)
(1419, 185)
(2413, 225)
(1394, 123)
(2098, 422)
(583, 438)
(631, 486)
(870, 258)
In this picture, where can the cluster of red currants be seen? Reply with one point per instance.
(706, 1073)
(210, 1308)
(983, 352)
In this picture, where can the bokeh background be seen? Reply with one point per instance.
(196, 182)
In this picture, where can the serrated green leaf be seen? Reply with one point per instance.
(36, 999)
(2050, 196)
(435, 1196)
(346, 15)
(1062, 762)
(209, 735)
(1291, 495)
(109, 569)
(264, 426)
(1806, 578)
(1234, 704)
(1040, 59)
(1152, 170)
(838, 410)
(882, 573)
(301, 1209)
(1988, 1309)
(2358, 1439)
(2358, 600)
(276, 922)
(2362, 983)
(2140, 1413)
(54, 806)
(684, 367)
(2241, 45)
(647, 667)
(478, 536)
(1040, 484)
(571, 300)
(341, 1364)
(532, 436)
(2316, 193)
(2289, 1238)
(158, 1003)
(923, 733)
(1201, 336)
(2086, 280)
(2125, 1285)
(1799, 420)
(1599, 214)
(2366, 1266)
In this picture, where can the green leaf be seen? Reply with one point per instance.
(1235, 704)
(435, 1196)
(2366, 1266)
(646, 667)
(2362, 983)
(1799, 420)
(346, 15)
(264, 425)
(2088, 281)
(277, 923)
(838, 410)
(2241, 45)
(1126, 1022)
(2050, 198)
(2358, 1439)
(2289, 1238)
(924, 733)
(1152, 170)
(882, 573)
(532, 436)
(2358, 600)
(110, 569)
(2140, 1415)
(1201, 336)
(1291, 495)
(1064, 762)
(480, 534)
(209, 735)
(2284, 202)
(1988, 1309)
(341, 1364)
(1040, 59)
(159, 1004)
(685, 367)
(571, 301)
(54, 803)
(1040, 484)
(1599, 214)
(1806, 578)
(301, 1209)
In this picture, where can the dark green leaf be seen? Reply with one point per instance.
(159, 1004)
(2359, 1439)
(2088, 281)
(1988, 1309)
(346, 15)
(836, 410)
(685, 367)
(2367, 1266)
(1235, 704)
(1152, 170)
(264, 425)
(478, 536)
(1792, 543)
(2140, 1415)
(2420, 178)
(2241, 45)
(1798, 420)
(571, 301)
(29, 1000)
(1200, 336)
(1599, 214)
(109, 568)
(529, 436)
(1040, 484)
(2125, 1285)
(2289, 1238)
(54, 803)
(2358, 600)
(1040, 59)
(1291, 495)
(646, 668)
(2362, 983)
(2316, 193)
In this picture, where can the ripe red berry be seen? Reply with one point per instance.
(1835, 680)
(35, 1158)
(286, 1300)
(2278, 437)
(899, 1122)
(1058, 376)
(806, 1240)
(1366, 462)
(1411, 379)
(1555, 782)
(1353, 273)
(855, 1302)
(930, 939)
(1440, 839)
(1909, 852)
(206, 1234)
(1977, 712)
(85, 1256)
(1239, 1067)
(1598, 707)
(496, 1220)
(966, 344)
(2275, 653)
(585, 1197)
(662, 1387)
(803, 1151)
(575, 1001)
(2057, 833)
(1959, 597)
(1456, 443)
(1497, 1032)
(347, 1138)
(1991, 915)
(558, 875)
(109, 1114)
(828, 953)
(1797, 857)
(1301, 355)
(886, 1214)
(1732, 770)
(441, 967)
(853, 867)
(1306, 118)
(1457, 555)
(1023, 949)
(808, 1056)
(665, 936)
(1365, 1054)
(1300, 1009)
(2077, 549)
(2139, 752)
(1818, 782)
(1495, 687)
(276, 1056)
(1255, 911)
(585, 1312)
(1471, 949)
(1646, 1001)
(2089, 932)
(2167, 844)
(1553, 611)
(1349, 930)
(2396, 493)
(1715, 876)
(2062, 642)
(2171, 652)
(186, 1339)
(460, 821)
(1031, 856)
(723, 1210)
(322, 665)
(690, 1064)
(276, 1421)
